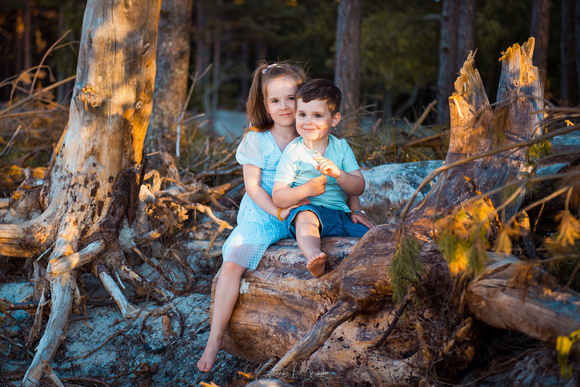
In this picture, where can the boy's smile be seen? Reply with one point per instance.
(314, 121)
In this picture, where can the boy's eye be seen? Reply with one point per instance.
(317, 115)
(301, 115)
(291, 98)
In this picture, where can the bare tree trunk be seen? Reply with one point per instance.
(27, 35)
(216, 69)
(466, 31)
(92, 187)
(576, 24)
(173, 49)
(540, 30)
(447, 56)
(347, 66)
(568, 74)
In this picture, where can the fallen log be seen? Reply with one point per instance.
(334, 322)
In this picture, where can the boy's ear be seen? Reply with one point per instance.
(336, 119)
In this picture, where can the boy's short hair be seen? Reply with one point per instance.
(323, 90)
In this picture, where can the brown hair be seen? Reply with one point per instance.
(256, 112)
(322, 90)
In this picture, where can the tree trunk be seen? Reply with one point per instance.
(540, 30)
(568, 75)
(466, 31)
(576, 24)
(92, 186)
(347, 66)
(173, 48)
(447, 56)
(346, 321)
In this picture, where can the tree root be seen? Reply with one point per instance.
(62, 298)
(101, 272)
(342, 311)
(60, 265)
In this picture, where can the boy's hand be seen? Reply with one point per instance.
(316, 186)
(327, 167)
(360, 218)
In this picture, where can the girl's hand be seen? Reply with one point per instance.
(361, 218)
(327, 167)
(285, 212)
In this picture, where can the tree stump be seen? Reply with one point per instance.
(339, 321)
(92, 187)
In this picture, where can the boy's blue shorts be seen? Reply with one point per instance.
(332, 222)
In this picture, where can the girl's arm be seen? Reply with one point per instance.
(253, 184)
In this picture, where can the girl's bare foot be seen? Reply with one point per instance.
(316, 264)
(209, 356)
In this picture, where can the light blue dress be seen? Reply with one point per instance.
(256, 229)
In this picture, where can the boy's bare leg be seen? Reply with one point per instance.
(226, 295)
(308, 238)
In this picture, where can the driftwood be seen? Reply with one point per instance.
(334, 323)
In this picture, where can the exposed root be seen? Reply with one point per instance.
(48, 371)
(144, 286)
(62, 297)
(101, 272)
(35, 329)
(342, 311)
(59, 265)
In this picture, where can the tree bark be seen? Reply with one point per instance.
(173, 52)
(447, 56)
(337, 321)
(89, 190)
(347, 66)
(568, 75)
(540, 30)
(466, 31)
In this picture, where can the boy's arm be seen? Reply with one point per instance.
(352, 183)
(285, 196)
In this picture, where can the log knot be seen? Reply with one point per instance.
(89, 98)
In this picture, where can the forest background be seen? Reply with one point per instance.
(405, 46)
(408, 55)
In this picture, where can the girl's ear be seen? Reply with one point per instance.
(336, 119)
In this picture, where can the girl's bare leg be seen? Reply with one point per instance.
(226, 295)
(308, 238)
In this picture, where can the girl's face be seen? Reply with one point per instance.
(280, 100)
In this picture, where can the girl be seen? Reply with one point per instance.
(271, 108)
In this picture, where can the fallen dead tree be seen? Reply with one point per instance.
(347, 320)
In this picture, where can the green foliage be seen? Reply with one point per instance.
(405, 268)
(537, 151)
(563, 347)
(564, 250)
(398, 47)
(463, 238)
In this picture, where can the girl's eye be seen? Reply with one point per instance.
(301, 115)
(291, 98)
(318, 115)
(274, 101)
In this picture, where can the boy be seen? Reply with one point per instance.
(322, 168)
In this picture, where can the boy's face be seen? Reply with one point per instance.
(314, 120)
